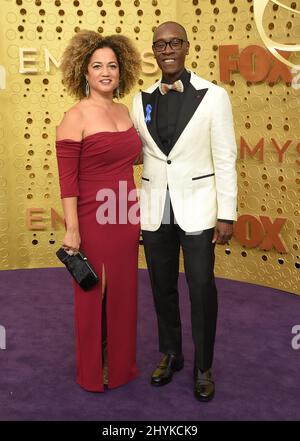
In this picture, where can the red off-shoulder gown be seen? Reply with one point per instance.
(99, 171)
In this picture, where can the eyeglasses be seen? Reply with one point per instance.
(161, 45)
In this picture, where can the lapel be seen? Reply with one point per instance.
(152, 100)
(192, 99)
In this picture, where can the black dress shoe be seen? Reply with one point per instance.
(169, 364)
(204, 387)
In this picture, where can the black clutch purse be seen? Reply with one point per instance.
(79, 268)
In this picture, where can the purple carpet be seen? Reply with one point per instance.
(256, 369)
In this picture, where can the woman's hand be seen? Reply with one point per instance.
(71, 241)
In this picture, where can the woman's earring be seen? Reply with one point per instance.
(87, 88)
(118, 92)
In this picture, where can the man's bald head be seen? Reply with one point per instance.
(171, 25)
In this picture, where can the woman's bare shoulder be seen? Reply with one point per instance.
(71, 126)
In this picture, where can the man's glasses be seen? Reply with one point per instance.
(161, 45)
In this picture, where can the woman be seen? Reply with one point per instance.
(96, 147)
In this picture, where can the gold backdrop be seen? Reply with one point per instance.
(33, 34)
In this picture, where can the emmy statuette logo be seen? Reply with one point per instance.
(273, 46)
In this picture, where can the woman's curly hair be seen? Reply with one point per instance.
(81, 47)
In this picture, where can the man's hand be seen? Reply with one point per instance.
(223, 233)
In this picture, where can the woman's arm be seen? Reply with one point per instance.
(139, 160)
(71, 240)
(70, 129)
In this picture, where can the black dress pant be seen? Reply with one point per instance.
(162, 255)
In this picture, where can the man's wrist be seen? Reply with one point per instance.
(226, 221)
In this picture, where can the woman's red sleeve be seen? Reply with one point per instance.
(68, 156)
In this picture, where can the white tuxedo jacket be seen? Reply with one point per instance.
(200, 169)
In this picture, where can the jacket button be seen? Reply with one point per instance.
(169, 161)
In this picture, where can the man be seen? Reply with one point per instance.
(188, 199)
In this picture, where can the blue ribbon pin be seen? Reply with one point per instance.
(148, 113)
